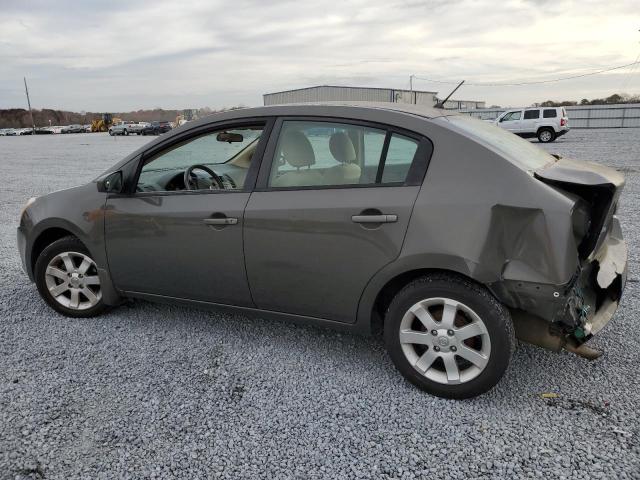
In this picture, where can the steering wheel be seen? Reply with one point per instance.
(189, 177)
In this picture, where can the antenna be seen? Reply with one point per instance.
(26, 89)
(441, 103)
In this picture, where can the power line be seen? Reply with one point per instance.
(530, 83)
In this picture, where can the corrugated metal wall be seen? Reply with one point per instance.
(583, 116)
(356, 94)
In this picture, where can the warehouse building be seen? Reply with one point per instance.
(332, 93)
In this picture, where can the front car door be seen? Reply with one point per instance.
(330, 209)
(180, 235)
(512, 121)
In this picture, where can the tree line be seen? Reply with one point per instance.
(19, 117)
(613, 99)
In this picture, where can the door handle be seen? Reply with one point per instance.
(374, 218)
(220, 221)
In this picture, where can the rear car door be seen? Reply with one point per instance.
(530, 120)
(331, 208)
(165, 239)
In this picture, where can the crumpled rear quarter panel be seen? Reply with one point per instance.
(481, 215)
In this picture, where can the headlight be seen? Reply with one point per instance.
(28, 204)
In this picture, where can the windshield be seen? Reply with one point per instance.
(519, 151)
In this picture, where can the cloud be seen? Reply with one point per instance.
(116, 55)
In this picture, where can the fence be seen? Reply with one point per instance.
(583, 116)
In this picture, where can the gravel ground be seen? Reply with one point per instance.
(154, 391)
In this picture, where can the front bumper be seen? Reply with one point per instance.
(22, 248)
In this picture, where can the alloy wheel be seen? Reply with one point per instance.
(72, 280)
(445, 340)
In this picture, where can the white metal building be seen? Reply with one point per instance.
(333, 93)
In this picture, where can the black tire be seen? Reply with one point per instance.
(546, 135)
(125, 132)
(65, 244)
(491, 312)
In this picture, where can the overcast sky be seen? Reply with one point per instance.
(126, 55)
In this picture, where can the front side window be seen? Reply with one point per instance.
(531, 114)
(511, 116)
(218, 160)
(550, 113)
(332, 154)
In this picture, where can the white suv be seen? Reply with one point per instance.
(546, 123)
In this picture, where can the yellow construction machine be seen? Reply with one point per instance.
(103, 124)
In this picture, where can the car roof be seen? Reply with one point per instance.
(325, 108)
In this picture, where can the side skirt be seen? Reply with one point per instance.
(354, 328)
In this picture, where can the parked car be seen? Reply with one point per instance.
(10, 132)
(546, 123)
(4, 131)
(73, 129)
(124, 128)
(43, 131)
(156, 128)
(24, 131)
(137, 127)
(450, 235)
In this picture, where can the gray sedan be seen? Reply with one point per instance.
(446, 234)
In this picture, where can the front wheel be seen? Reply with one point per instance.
(449, 336)
(67, 279)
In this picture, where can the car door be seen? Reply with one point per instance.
(331, 208)
(530, 121)
(164, 239)
(512, 121)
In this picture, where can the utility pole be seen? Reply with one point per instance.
(26, 89)
(413, 99)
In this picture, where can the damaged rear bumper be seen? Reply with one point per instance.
(596, 293)
(570, 316)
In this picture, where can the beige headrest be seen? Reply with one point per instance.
(341, 148)
(297, 149)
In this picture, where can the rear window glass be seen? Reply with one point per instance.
(550, 113)
(529, 114)
(519, 151)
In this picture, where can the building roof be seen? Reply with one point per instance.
(347, 86)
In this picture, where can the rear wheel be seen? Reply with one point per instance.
(546, 135)
(67, 278)
(125, 132)
(449, 336)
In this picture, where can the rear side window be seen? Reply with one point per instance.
(550, 113)
(326, 154)
(400, 155)
(531, 114)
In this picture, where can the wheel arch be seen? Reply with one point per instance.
(42, 239)
(391, 279)
(545, 127)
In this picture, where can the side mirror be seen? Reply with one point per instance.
(110, 183)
